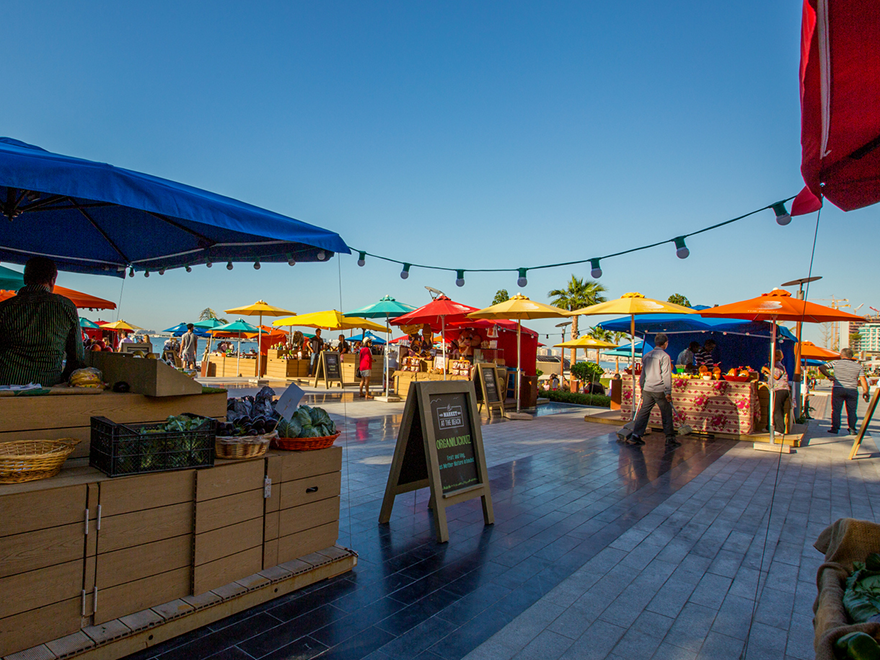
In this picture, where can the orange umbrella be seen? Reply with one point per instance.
(778, 305)
(809, 351)
(81, 300)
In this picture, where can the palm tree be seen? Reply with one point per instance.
(209, 313)
(579, 293)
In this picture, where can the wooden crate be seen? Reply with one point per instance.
(42, 542)
(229, 512)
(144, 376)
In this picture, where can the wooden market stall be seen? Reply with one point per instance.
(217, 365)
(101, 566)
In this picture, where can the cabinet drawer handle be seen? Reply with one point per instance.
(313, 489)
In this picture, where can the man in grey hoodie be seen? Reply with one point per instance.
(656, 385)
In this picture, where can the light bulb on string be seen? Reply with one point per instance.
(257, 265)
(290, 260)
(161, 271)
(681, 250)
(208, 263)
(783, 217)
(596, 271)
(321, 255)
(131, 272)
(362, 259)
(459, 278)
(522, 280)
(229, 266)
(405, 272)
(188, 269)
(146, 273)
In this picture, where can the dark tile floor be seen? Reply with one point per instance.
(410, 597)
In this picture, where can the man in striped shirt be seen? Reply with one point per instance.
(39, 330)
(848, 375)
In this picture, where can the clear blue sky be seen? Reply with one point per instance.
(458, 134)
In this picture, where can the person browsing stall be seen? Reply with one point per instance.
(656, 385)
(777, 380)
(343, 346)
(848, 374)
(365, 366)
(688, 357)
(188, 347)
(708, 355)
(314, 346)
(39, 330)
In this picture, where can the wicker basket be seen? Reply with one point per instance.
(305, 444)
(247, 446)
(29, 460)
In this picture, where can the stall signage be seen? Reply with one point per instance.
(289, 400)
(440, 446)
(487, 377)
(328, 370)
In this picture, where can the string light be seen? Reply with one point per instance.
(188, 269)
(229, 266)
(681, 250)
(208, 263)
(257, 265)
(290, 260)
(161, 271)
(321, 255)
(522, 281)
(131, 272)
(783, 217)
(146, 273)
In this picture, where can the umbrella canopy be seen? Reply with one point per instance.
(387, 307)
(239, 326)
(436, 314)
(81, 300)
(120, 326)
(809, 351)
(208, 324)
(367, 335)
(627, 350)
(585, 341)
(10, 280)
(840, 94)
(180, 328)
(519, 307)
(121, 219)
(778, 305)
(85, 323)
(261, 309)
(329, 320)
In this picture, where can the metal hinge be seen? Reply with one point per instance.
(98, 525)
(87, 522)
(267, 488)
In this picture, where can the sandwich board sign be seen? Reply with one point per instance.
(488, 384)
(440, 446)
(328, 369)
(872, 407)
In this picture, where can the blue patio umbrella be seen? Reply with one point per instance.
(96, 218)
(180, 328)
(368, 335)
(238, 328)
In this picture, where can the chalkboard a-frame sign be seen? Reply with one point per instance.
(489, 388)
(328, 369)
(440, 446)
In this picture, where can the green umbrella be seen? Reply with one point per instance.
(10, 280)
(387, 308)
(238, 327)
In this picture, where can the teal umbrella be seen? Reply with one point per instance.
(387, 308)
(10, 280)
(239, 328)
(208, 324)
(85, 323)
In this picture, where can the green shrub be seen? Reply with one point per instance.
(586, 371)
(581, 399)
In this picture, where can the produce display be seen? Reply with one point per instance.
(862, 596)
(256, 415)
(715, 373)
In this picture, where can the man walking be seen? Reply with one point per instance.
(848, 375)
(188, 347)
(656, 385)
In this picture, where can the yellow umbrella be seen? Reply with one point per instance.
(261, 309)
(519, 307)
(585, 342)
(632, 304)
(121, 326)
(330, 320)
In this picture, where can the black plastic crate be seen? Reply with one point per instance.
(120, 449)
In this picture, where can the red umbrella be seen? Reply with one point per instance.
(840, 101)
(81, 300)
(436, 314)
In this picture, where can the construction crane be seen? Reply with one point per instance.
(835, 327)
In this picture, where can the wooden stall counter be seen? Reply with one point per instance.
(81, 549)
(222, 366)
(282, 365)
(350, 370)
(710, 406)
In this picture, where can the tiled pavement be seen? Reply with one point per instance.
(598, 551)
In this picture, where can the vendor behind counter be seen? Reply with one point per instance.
(40, 336)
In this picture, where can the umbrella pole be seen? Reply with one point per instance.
(385, 350)
(259, 344)
(632, 346)
(518, 365)
(770, 379)
(443, 339)
(238, 359)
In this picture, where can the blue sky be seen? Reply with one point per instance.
(465, 135)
